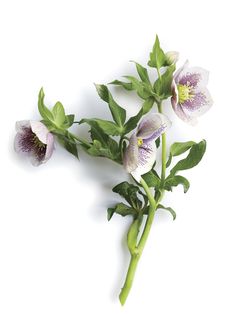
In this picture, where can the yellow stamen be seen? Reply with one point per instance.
(140, 142)
(184, 93)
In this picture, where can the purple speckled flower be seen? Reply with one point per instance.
(34, 140)
(190, 98)
(140, 155)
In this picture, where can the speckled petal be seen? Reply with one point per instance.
(179, 110)
(40, 130)
(177, 74)
(152, 126)
(21, 125)
(146, 159)
(193, 76)
(200, 104)
(17, 145)
(130, 159)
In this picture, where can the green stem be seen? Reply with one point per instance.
(82, 141)
(135, 256)
(163, 153)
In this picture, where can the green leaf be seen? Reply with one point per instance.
(120, 209)
(175, 181)
(143, 73)
(194, 157)
(69, 120)
(133, 121)
(152, 179)
(144, 90)
(130, 193)
(118, 113)
(158, 142)
(102, 145)
(43, 110)
(109, 127)
(179, 148)
(133, 234)
(58, 112)
(125, 85)
(157, 56)
(163, 86)
(169, 209)
(68, 142)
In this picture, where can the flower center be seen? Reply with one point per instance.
(37, 142)
(140, 142)
(184, 93)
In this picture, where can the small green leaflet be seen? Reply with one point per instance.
(120, 209)
(133, 121)
(43, 110)
(144, 90)
(157, 56)
(130, 193)
(179, 148)
(58, 112)
(169, 209)
(118, 113)
(175, 181)
(143, 73)
(194, 157)
(163, 85)
(152, 179)
(108, 127)
(125, 85)
(102, 145)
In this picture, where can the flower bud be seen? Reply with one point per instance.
(171, 57)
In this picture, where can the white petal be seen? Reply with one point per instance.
(151, 124)
(40, 130)
(50, 147)
(199, 74)
(20, 125)
(146, 159)
(202, 108)
(130, 160)
(178, 73)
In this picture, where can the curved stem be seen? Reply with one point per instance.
(135, 256)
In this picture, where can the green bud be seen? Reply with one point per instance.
(171, 57)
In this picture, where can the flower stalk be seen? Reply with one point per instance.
(136, 254)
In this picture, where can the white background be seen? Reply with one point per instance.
(58, 254)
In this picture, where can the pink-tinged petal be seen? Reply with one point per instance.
(179, 111)
(21, 125)
(40, 130)
(50, 147)
(200, 104)
(17, 143)
(194, 77)
(146, 159)
(130, 159)
(34, 160)
(178, 73)
(152, 126)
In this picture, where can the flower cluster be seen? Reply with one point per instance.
(132, 142)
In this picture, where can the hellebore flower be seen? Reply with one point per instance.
(190, 97)
(34, 140)
(140, 154)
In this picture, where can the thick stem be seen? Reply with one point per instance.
(139, 249)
